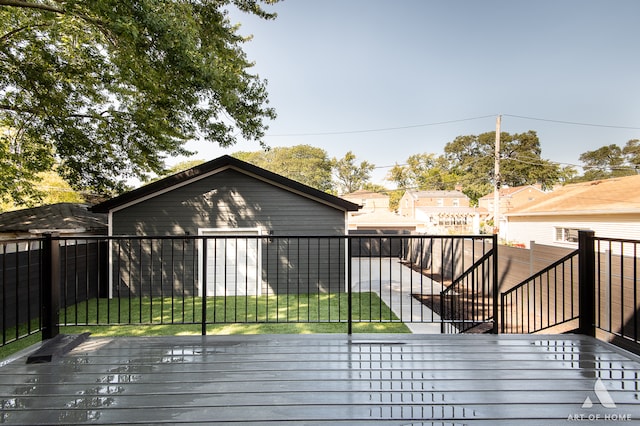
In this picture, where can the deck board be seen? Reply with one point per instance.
(324, 379)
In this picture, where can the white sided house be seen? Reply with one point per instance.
(509, 198)
(223, 199)
(610, 208)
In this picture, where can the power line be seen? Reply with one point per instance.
(385, 129)
(572, 123)
(389, 167)
(439, 123)
(542, 163)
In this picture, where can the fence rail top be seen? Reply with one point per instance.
(230, 235)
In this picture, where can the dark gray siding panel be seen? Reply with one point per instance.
(304, 265)
(230, 199)
(154, 267)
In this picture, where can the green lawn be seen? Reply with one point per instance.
(285, 308)
(18, 345)
(282, 314)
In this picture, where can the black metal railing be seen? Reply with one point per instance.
(430, 266)
(21, 289)
(592, 291)
(617, 296)
(207, 280)
(547, 299)
(468, 303)
(448, 281)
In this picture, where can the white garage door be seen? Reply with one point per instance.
(233, 262)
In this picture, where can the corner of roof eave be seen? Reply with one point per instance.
(574, 212)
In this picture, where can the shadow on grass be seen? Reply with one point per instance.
(282, 314)
(286, 308)
(235, 328)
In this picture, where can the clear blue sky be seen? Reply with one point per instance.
(346, 66)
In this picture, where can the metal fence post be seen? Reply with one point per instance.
(496, 286)
(587, 282)
(349, 290)
(503, 314)
(50, 287)
(203, 285)
(443, 317)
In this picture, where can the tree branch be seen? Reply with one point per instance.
(17, 30)
(103, 116)
(30, 5)
(48, 8)
(11, 108)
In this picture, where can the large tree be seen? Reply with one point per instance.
(631, 151)
(472, 159)
(610, 161)
(176, 168)
(109, 88)
(604, 162)
(49, 188)
(424, 172)
(302, 163)
(350, 176)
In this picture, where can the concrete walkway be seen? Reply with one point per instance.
(395, 283)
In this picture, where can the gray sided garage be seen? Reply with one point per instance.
(259, 232)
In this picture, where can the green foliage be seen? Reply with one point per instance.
(631, 151)
(110, 88)
(374, 187)
(350, 176)
(424, 172)
(522, 164)
(472, 159)
(177, 168)
(21, 159)
(394, 199)
(567, 174)
(302, 163)
(46, 188)
(610, 161)
(469, 162)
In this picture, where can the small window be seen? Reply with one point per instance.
(440, 202)
(456, 202)
(567, 235)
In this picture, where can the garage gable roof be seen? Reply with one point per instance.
(216, 166)
(61, 217)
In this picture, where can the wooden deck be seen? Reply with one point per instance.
(327, 379)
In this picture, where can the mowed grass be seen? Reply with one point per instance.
(281, 314)
(287, 313)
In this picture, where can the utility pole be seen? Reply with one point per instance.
(496, 180)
